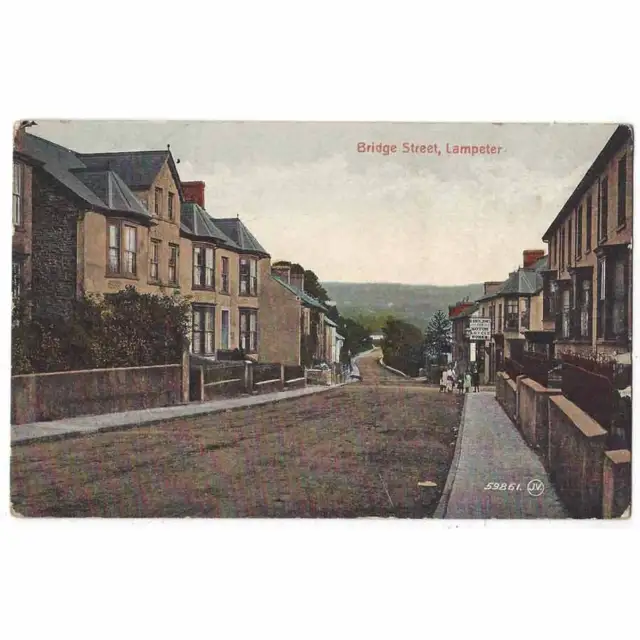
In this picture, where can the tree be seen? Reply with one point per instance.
(312, 285)
(437, 337)
(403, 346)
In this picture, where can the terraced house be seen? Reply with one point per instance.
(587, 290)
(97, 222)
(229, 267)
(515, 310)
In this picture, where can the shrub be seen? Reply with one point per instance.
(122, 329)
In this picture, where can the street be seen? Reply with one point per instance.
(359, 450)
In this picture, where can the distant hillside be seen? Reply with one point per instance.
(371, 303)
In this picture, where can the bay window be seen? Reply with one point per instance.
(203, 267)
(511, 315)
(122, 250)
(613, 294)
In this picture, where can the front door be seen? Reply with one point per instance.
(224, 331)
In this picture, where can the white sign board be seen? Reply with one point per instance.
(480, 329)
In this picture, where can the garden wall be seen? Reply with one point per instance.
(67, 394)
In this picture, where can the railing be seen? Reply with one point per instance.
(537, 367)
(513, 368)
(594, 390)
(222, 371)
(293, 372)
(265, 372)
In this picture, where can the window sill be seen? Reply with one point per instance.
(620, 227)
(121, 276)
(201, 288)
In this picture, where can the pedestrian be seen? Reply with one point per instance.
(467, 382)
(450, 381)
(443, 381)
(460, 383)
(476, 381)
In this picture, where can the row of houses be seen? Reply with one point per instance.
(573, 297)
(97, 222)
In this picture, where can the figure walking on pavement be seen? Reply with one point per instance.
(476, 381)
(467, 382)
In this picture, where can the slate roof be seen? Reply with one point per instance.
(522, 282)
(103, 190)
(137, 168)
(303, 295)
(615, 142)
(194, 220)
(235, 229)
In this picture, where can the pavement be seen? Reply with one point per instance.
(127, 419)
(494, 473)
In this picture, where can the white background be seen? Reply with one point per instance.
(473, 61)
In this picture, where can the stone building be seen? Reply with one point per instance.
(587, 288)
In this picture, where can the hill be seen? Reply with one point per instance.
(371, 303)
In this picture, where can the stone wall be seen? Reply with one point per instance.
(533, 413)
(577, 444)
(54, 244)
(54, 396)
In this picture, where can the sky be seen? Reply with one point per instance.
(311, 195)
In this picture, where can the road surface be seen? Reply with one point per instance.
(359, 450)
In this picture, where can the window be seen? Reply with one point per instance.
(249, 330)
(566, 312)
(613, 298)
(604, 210)
(174, 253)
(525, 316)
(579, 233)
(248, 277)
(569, 228)
(492, 317)
(114, 248)
(511, 317)
(203, 267)
(18, 193)
(622, 191)
(154, 260)
(157, 205)
(16, 278)
(130, 250)
(170, 206)
(224, 329)
(588, 224)
(499, 318)
(202, 332)
(562, 247)
(225, 275)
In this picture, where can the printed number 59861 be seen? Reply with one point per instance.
(502, 486)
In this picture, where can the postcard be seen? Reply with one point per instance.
(321, 320)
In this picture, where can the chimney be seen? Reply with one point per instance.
(297, 279)
(530, 257)
(283, 271)
(491, 287)
(194, 192)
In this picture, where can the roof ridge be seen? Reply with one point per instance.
(117, 153)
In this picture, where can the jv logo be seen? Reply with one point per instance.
(535, 488)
